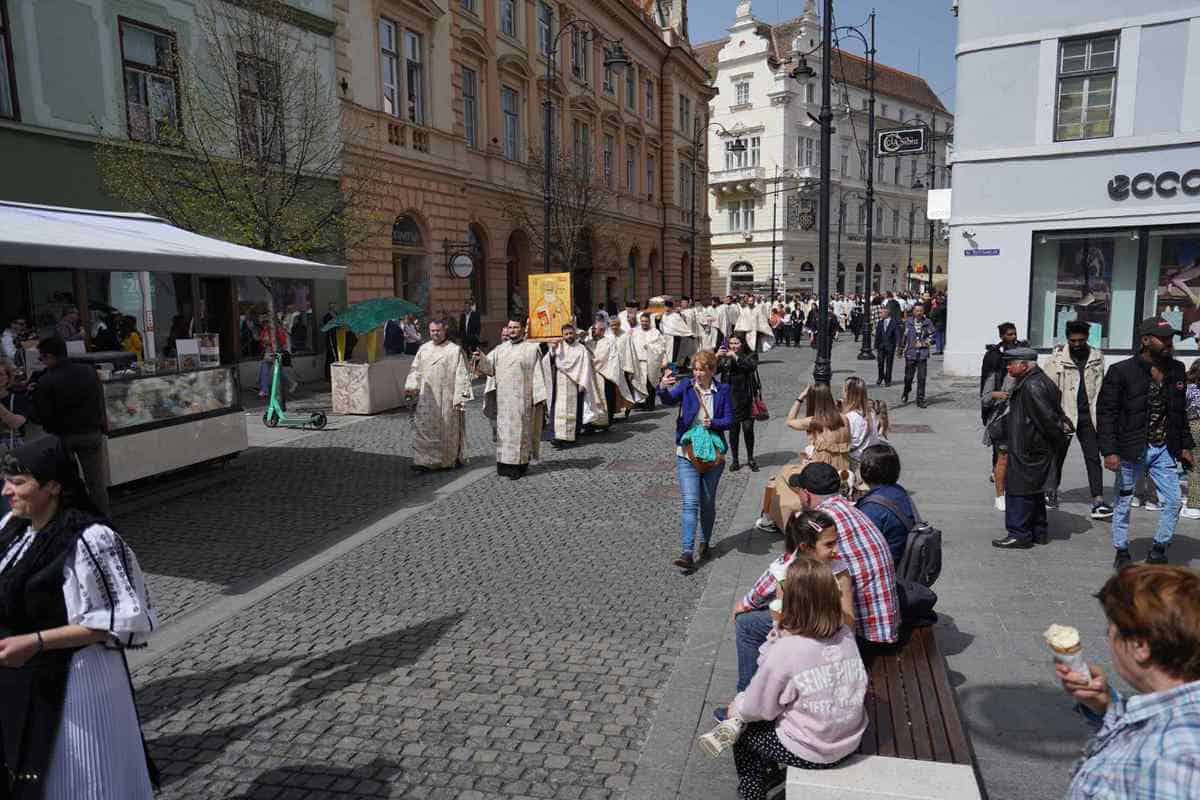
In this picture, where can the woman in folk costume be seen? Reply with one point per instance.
(72, 598)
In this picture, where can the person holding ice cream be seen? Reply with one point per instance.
(1146, 744)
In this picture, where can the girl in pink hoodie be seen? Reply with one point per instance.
(804, 707)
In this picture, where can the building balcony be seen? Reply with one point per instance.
(740, 180)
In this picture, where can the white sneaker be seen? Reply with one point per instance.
(1190, 513)
(765, 523)
(1150, 505)
(1136, 502)
(1000, 503)
(721, 737)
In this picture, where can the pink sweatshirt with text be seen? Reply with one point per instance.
(814, 691)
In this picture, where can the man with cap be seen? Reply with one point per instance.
(860, 545)
(1141, 422)
(1035, 437)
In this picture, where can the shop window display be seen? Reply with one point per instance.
(1085, 276)
(1173, 283)
(134, 401)
(293, 313)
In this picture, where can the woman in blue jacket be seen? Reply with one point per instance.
(706, 405)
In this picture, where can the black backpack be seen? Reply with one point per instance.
(918, 567)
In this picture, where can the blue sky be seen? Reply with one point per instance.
(903, 28)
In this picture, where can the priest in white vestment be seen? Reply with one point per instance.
(678, 328)
(616, 363)
(629, 318)
(727, 315)
(522, 390)
(577, 398)
(440, 381)
(650, 350)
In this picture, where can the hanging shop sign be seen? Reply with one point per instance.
(1147, 184)
(900, 142)
(460, 258)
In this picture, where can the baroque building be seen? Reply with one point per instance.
(764, 162)
(451, 101)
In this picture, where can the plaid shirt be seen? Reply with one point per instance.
(865, 551)
(1147, 746)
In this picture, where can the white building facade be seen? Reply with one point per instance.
(1077, 173)
(764, 165)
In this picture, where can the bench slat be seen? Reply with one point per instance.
(955, 732)
(926, 661)
(902, 732)
(910, 657)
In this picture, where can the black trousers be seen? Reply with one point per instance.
(1025, 515)
(742, 428)
(1085, 432)
(917, 368)
(885, 360)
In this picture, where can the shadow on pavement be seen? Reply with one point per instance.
(325, 781)
(312, 679)
(1023, 719)
(1063, 524)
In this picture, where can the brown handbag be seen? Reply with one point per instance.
(700, 465)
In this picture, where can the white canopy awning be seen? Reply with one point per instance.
(75, 238)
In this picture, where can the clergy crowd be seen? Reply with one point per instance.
(576, 384)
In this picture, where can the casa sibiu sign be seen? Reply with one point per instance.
(1147, 184)
(901, 142)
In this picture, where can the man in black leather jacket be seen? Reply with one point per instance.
(1035, 438)
(1142, 428)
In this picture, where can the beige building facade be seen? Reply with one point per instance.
(449, 104)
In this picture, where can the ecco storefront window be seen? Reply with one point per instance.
(1112, 279)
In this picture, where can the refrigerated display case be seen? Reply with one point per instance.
(165, 421)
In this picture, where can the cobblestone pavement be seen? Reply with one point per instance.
(509, 640)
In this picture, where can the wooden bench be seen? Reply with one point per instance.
(915, 744)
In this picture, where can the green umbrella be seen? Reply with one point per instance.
(370, 314)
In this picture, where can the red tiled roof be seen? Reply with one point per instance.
(846, 67)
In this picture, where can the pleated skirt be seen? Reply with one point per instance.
(98, 751)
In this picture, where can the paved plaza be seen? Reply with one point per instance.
(336, 626)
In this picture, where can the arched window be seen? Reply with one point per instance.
(807, 266)
(858, 267)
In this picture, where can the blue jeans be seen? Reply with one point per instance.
(699, 499)
(751, 631)
(1161, 467)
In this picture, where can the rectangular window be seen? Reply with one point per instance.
(389, 66)
(609, 146)
(610, 88)
(414, 77)
(148, 59)
(743, 93)
(883, 109)
(896, 172)
(845, 164)
(543, 17)
(467, 6)
(8, 82)
(510, 108)
(508, 18)
(1094, 277)
(879, 219)
(260, 123)
(735, 154)
(755, 150)
(630, 168)
(470, 90)
(811, 156)
(650, 176)
(862, 217)
(685, 113)
(809, 92)
(581, 137)
(649, 109)
(747, 215)
(631, 88)
(895, 222)
(580, 55)
(1087, 83)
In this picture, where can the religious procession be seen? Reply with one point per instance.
(550, 379)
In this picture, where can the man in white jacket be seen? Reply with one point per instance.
(1078, 371)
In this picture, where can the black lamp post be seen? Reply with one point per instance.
(613, 57)
(866, 354)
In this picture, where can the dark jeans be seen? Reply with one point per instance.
(751, 631)
(1085, 432)
(1025, 515)
(885, 360)
(917, 368)
(91, 450)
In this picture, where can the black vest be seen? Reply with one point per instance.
(31, 599)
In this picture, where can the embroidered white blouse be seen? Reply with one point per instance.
(103, 586)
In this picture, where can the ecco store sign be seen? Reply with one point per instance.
(1147, 184)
